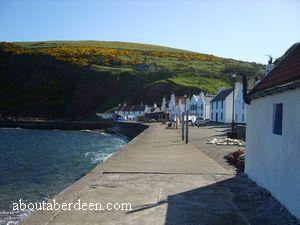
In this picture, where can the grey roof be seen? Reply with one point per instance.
(120, 107)
(112, 110)
(126, 108)
(222, 95)
(138, 108)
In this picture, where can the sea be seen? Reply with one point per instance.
(35, 165)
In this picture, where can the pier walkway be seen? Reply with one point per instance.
(165, 180)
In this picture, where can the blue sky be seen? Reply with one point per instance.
(245, 30)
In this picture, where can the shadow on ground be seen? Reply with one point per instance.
(235, 201)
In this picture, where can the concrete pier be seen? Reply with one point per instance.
(165, 180)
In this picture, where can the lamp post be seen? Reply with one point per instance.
(186, 120)
(232, 124)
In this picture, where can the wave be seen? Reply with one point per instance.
(13, 217)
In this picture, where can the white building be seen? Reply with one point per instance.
(109, 114)
(193, 107)
(273, 131)
(176, 107)
(239, 104)
(221, 106)
(119, 111)
(138, 110)
(199, 105)
(163, 107)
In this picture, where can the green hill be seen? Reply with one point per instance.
(75, 79)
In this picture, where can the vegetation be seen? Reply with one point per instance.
(75, 79)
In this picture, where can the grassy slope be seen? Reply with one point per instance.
(89, 76)
(104, 44)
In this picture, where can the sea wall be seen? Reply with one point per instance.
(60, 125)
(129, 129)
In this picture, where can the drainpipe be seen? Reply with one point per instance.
(245, 87)
(232, 124)
(187, 120)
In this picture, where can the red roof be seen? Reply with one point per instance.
(286, 71)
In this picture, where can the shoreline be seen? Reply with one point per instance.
(128, 130)
(76, 188)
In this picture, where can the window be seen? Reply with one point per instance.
(216, 104)
(277, 119)
(236, 117)
(201, 114)
(212, 116)
(243, 105)
(222, 115)
(222, 104)
(201, 106)
(212, 105)
(243, 117)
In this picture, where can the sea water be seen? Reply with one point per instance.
(37, 164)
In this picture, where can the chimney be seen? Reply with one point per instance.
(201, 95)
(270, 66)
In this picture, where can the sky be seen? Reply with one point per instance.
(240, 29)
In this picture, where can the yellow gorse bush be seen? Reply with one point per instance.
(89, 55)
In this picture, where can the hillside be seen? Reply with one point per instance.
(75, 79)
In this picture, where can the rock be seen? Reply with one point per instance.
(226, 141)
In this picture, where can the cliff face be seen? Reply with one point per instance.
(44, 87)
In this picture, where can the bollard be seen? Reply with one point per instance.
(182, 126)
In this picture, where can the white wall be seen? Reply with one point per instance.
(163, 105)
(172, 109)
(239, 111)
(273, 161)
(226, 110)
(193, 102)
(207, 111)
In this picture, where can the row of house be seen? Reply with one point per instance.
(216, 108)
(129, 112)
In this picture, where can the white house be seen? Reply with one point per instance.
(176, 107)
(239, 104)
(172, 107)
(273, 131)
(200, 105)
(193, 107)
(179, 109)
(163, 107)
(119, 110)
(109, 114)
(138, 110)
(221, 106)
(125, 111)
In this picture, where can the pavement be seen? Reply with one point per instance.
(165, 180)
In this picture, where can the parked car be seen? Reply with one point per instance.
(200, 121)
